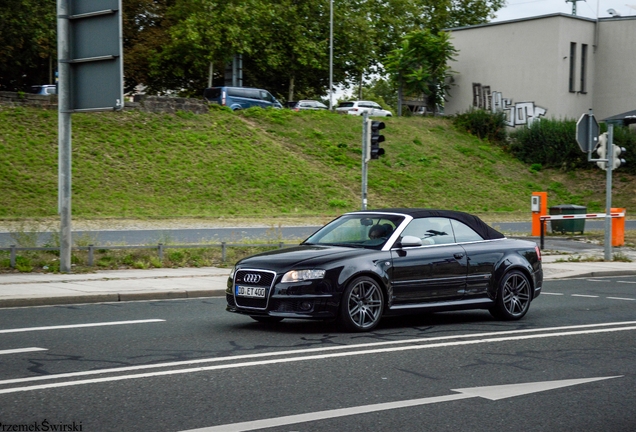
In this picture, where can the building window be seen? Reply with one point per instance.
(572, 85)
(583, 67)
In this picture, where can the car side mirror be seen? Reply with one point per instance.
(410, 241)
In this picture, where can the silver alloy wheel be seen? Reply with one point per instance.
(516, 294)
(364, 304)
(513, 297)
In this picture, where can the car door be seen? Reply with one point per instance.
(435, 271)
(375, 109)
(481, 257)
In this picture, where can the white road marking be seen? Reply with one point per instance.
(21, 350)
(490, 392)
(306, 358)
(621, 298)
(548, 293)
(598, 280)
(584, 295)
(28, 329)
(301, 351)
(629, 282)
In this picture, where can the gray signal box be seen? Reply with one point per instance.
(95, 55)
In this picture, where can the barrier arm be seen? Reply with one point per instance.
(620, 214)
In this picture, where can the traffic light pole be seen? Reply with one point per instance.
(365, 156)
(608, 193)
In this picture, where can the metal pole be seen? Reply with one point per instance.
(365, 151)
(64, 134)
(608, 192)
(331, 55)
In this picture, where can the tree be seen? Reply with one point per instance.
(420, 66)
(145, 27)
(27, 43)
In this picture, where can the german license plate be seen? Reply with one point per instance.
(245, 291)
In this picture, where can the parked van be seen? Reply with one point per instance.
(241, 97)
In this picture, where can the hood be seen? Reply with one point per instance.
(305, 256)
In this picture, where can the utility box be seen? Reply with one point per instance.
(564, 225)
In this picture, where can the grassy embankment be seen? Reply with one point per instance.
(269, 167)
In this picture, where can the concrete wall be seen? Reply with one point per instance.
(26, 99)
(156, 104)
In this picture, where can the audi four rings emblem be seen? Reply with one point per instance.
(251, 278)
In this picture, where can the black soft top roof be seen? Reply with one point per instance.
(484, 230)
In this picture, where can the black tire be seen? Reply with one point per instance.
(266, 319)
(513, 297)
(362, 305)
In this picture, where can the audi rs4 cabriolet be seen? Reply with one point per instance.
(368, 264)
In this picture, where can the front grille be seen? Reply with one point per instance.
(255, 278)
(265, 278)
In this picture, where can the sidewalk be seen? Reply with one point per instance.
(37, 289)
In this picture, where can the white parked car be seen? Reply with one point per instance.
(359, 107)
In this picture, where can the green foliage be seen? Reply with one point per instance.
(420, 65)
(625, 137)
(549, 143)
(27, 43)
(483, 124)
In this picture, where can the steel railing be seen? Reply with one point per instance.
(160, 247)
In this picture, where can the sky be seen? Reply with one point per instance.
(515, 9)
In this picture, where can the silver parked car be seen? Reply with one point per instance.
(308, 105)
(360, 107)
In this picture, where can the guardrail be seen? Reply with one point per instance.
(13, 249)
(574, 216)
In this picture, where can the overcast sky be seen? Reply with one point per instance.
(591, 8)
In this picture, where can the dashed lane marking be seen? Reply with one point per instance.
(28, 329)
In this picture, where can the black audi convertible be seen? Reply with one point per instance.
(368, 264)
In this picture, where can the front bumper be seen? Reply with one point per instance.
(313, 299)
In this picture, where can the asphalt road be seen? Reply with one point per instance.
(217, 235)
(180, 365)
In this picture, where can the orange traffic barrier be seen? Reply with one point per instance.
(618, 227)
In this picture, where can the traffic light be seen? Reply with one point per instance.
(376, 139)
(601, 150)
(616, 160)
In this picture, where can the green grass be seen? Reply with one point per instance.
(268, 163)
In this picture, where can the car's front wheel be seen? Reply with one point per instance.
(513, 298)
(362, 305)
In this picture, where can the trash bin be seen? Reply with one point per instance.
(567, 225)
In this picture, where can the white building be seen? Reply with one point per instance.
(556, 66)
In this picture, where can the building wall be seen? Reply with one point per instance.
(525, 64)
(615, 84)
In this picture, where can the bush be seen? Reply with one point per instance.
(552, 144)
(484, 124)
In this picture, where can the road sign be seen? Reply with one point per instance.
(587, 131)
(96, 60)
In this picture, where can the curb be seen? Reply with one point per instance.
(108, 298)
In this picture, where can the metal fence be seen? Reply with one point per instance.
(13, 249)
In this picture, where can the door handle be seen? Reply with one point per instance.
(458, 255)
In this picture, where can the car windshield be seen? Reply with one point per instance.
(357, 230)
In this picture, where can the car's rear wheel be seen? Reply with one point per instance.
(513, 298)
(362, 305)
(266, 319)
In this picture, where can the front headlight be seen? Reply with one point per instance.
(232, 273)
(301, 275)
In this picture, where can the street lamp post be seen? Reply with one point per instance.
(330, 55)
